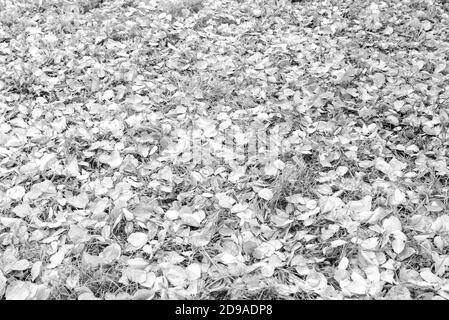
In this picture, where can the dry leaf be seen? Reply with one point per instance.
(265, 194)
(15, 193)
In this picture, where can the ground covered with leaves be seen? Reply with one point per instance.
(101, 198)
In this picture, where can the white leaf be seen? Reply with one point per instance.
(398, 243)
(388, 276)
(193, 219)
(194, 271)
(316, 281)
(57, 258)
(295, 198)
(391, 225)
(15, 193)
(150, 279)
(429, 276)
(224, 200)
(135, 275)
(80, 201)
(327, 204)
(46, 161)
(176, 275)
(2, 283)
(114, 160)
(20, 265)
(441, 224)
(338, 243)
(357, 286)
(36, 270)
(270, 169)
(87, 296)
(344, 263)
(239, 207)
(23, 210)
(138, 239)
(111, 253)
(72, 168)
(435, 206)
(18, 290)
(172, 214)
(382, 165)
(372, 273)
(78, 234)
(397, 197)
(227, 258)
(108, 94)
(361, 205)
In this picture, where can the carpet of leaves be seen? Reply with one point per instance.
(100, 198)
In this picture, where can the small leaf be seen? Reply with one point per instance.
(327, 204)
(397, 197)
(23, 210)
(36, 270)
(111, 253)
(80, 201)
(15, 193)
(224, 200)
(114, 160)
(18, 290)
(193, 219)
(108, 94)
(391, 225)
(429, 276)
(194, 271)
(176, 275)
(398, 243)
(78, 234)
(316, 281)
(435, 206)
(398, 292)
(135, 275)
(295, 198)
(2, 284)
(138, 239)
(172, 214)
(20, 265)
(57, 258)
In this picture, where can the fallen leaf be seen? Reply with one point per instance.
(398, 243)
(111, 253)
(193, 219)
(391, 225)
(224, 200)
(176, 275)
(193, 271)
(80, 201)
(135, 275)
(138, 239)
(15, 193)
(23, 210)
(265, 194)
(316, 281)
(114, 160)
(78, 234)
(18, 290)
(20, 265)
(398, 292)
